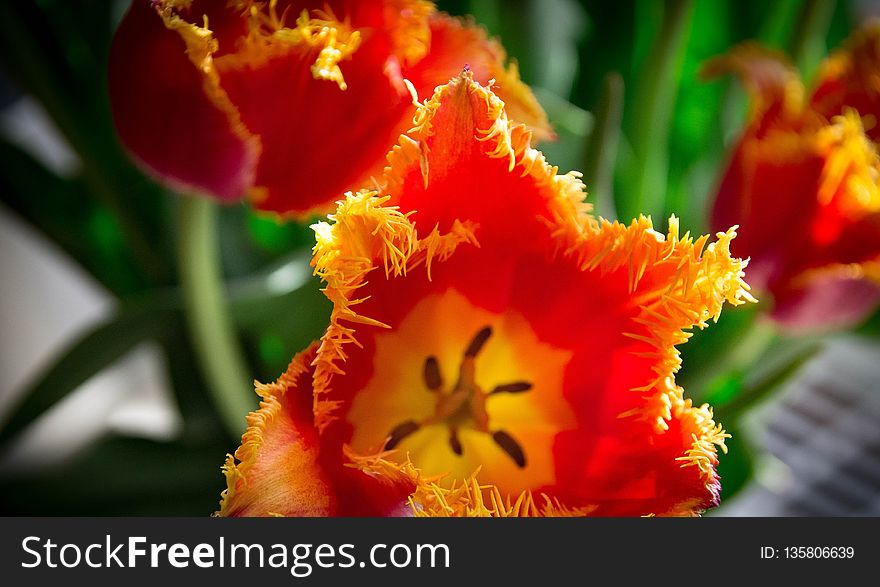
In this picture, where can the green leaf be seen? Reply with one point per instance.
(778, 21)
(724, 349)
(86, 357)
(808, 46)
(725, 388)
(655, 91)
(737, 467)
(292, 309)
(871, 326)
(124, 476)
(767, 380)
(281, 326)
(572, 125)
(600, 155)
(696, 124)
(60, 71)
(275, 235)
(66, 213)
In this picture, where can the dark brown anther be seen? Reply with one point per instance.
(433, 378)
(517, 387)
(510, 446)
(477, 342)
(464, 405)
(454, 442)
(400, 432)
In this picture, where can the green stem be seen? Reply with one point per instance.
(653, 111)
(207, 313)
(601, 152)
(776, 22)
(775, 31)
(808, 38)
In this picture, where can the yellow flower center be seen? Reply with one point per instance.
(464, 405)
(459, 389)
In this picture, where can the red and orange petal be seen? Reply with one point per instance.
(850, 79)
(290, 103)
(804, 191)
(278, 470)
(478, 230)
(282, 467)
(170, 114)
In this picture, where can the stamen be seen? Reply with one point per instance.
(510, 446)
(478, 341)
(517, 387)
(433, 378)
(464, 404)
(400, 432)
(454, 442)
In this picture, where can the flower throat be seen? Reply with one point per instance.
(464, 404)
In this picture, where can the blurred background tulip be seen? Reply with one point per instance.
(288, 103)
(802, 183)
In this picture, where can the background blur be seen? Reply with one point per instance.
(102, 408)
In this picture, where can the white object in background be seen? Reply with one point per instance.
(46, 303)
(820, 438)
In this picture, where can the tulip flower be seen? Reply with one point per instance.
(287, 103)
(850, 79)
(802, 183)
(493, 348)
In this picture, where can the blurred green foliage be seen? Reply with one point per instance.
(118, 225)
